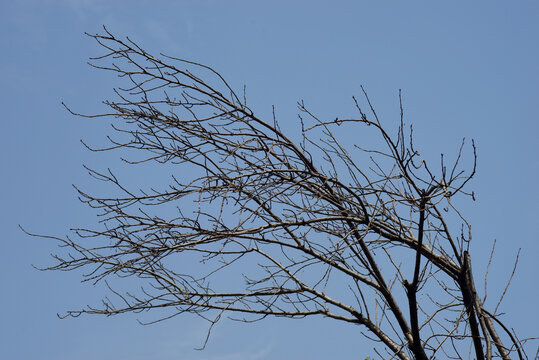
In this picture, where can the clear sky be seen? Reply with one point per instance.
(466, 69)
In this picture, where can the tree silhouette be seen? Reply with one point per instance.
(298, 225)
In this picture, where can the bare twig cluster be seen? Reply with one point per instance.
(256, 224)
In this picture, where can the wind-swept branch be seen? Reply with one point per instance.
(294, 222)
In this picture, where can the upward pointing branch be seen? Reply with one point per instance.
(411, 289)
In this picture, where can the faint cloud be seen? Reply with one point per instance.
(172, 40)
(83, 9)
(26, 26)
(157, 30)
(245, 355)
(95, 13)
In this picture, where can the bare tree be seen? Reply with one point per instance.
(305, 227)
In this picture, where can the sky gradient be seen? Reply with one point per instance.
(466, 69)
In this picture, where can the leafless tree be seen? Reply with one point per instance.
(299, 225)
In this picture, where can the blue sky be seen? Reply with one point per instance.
(466, 69)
